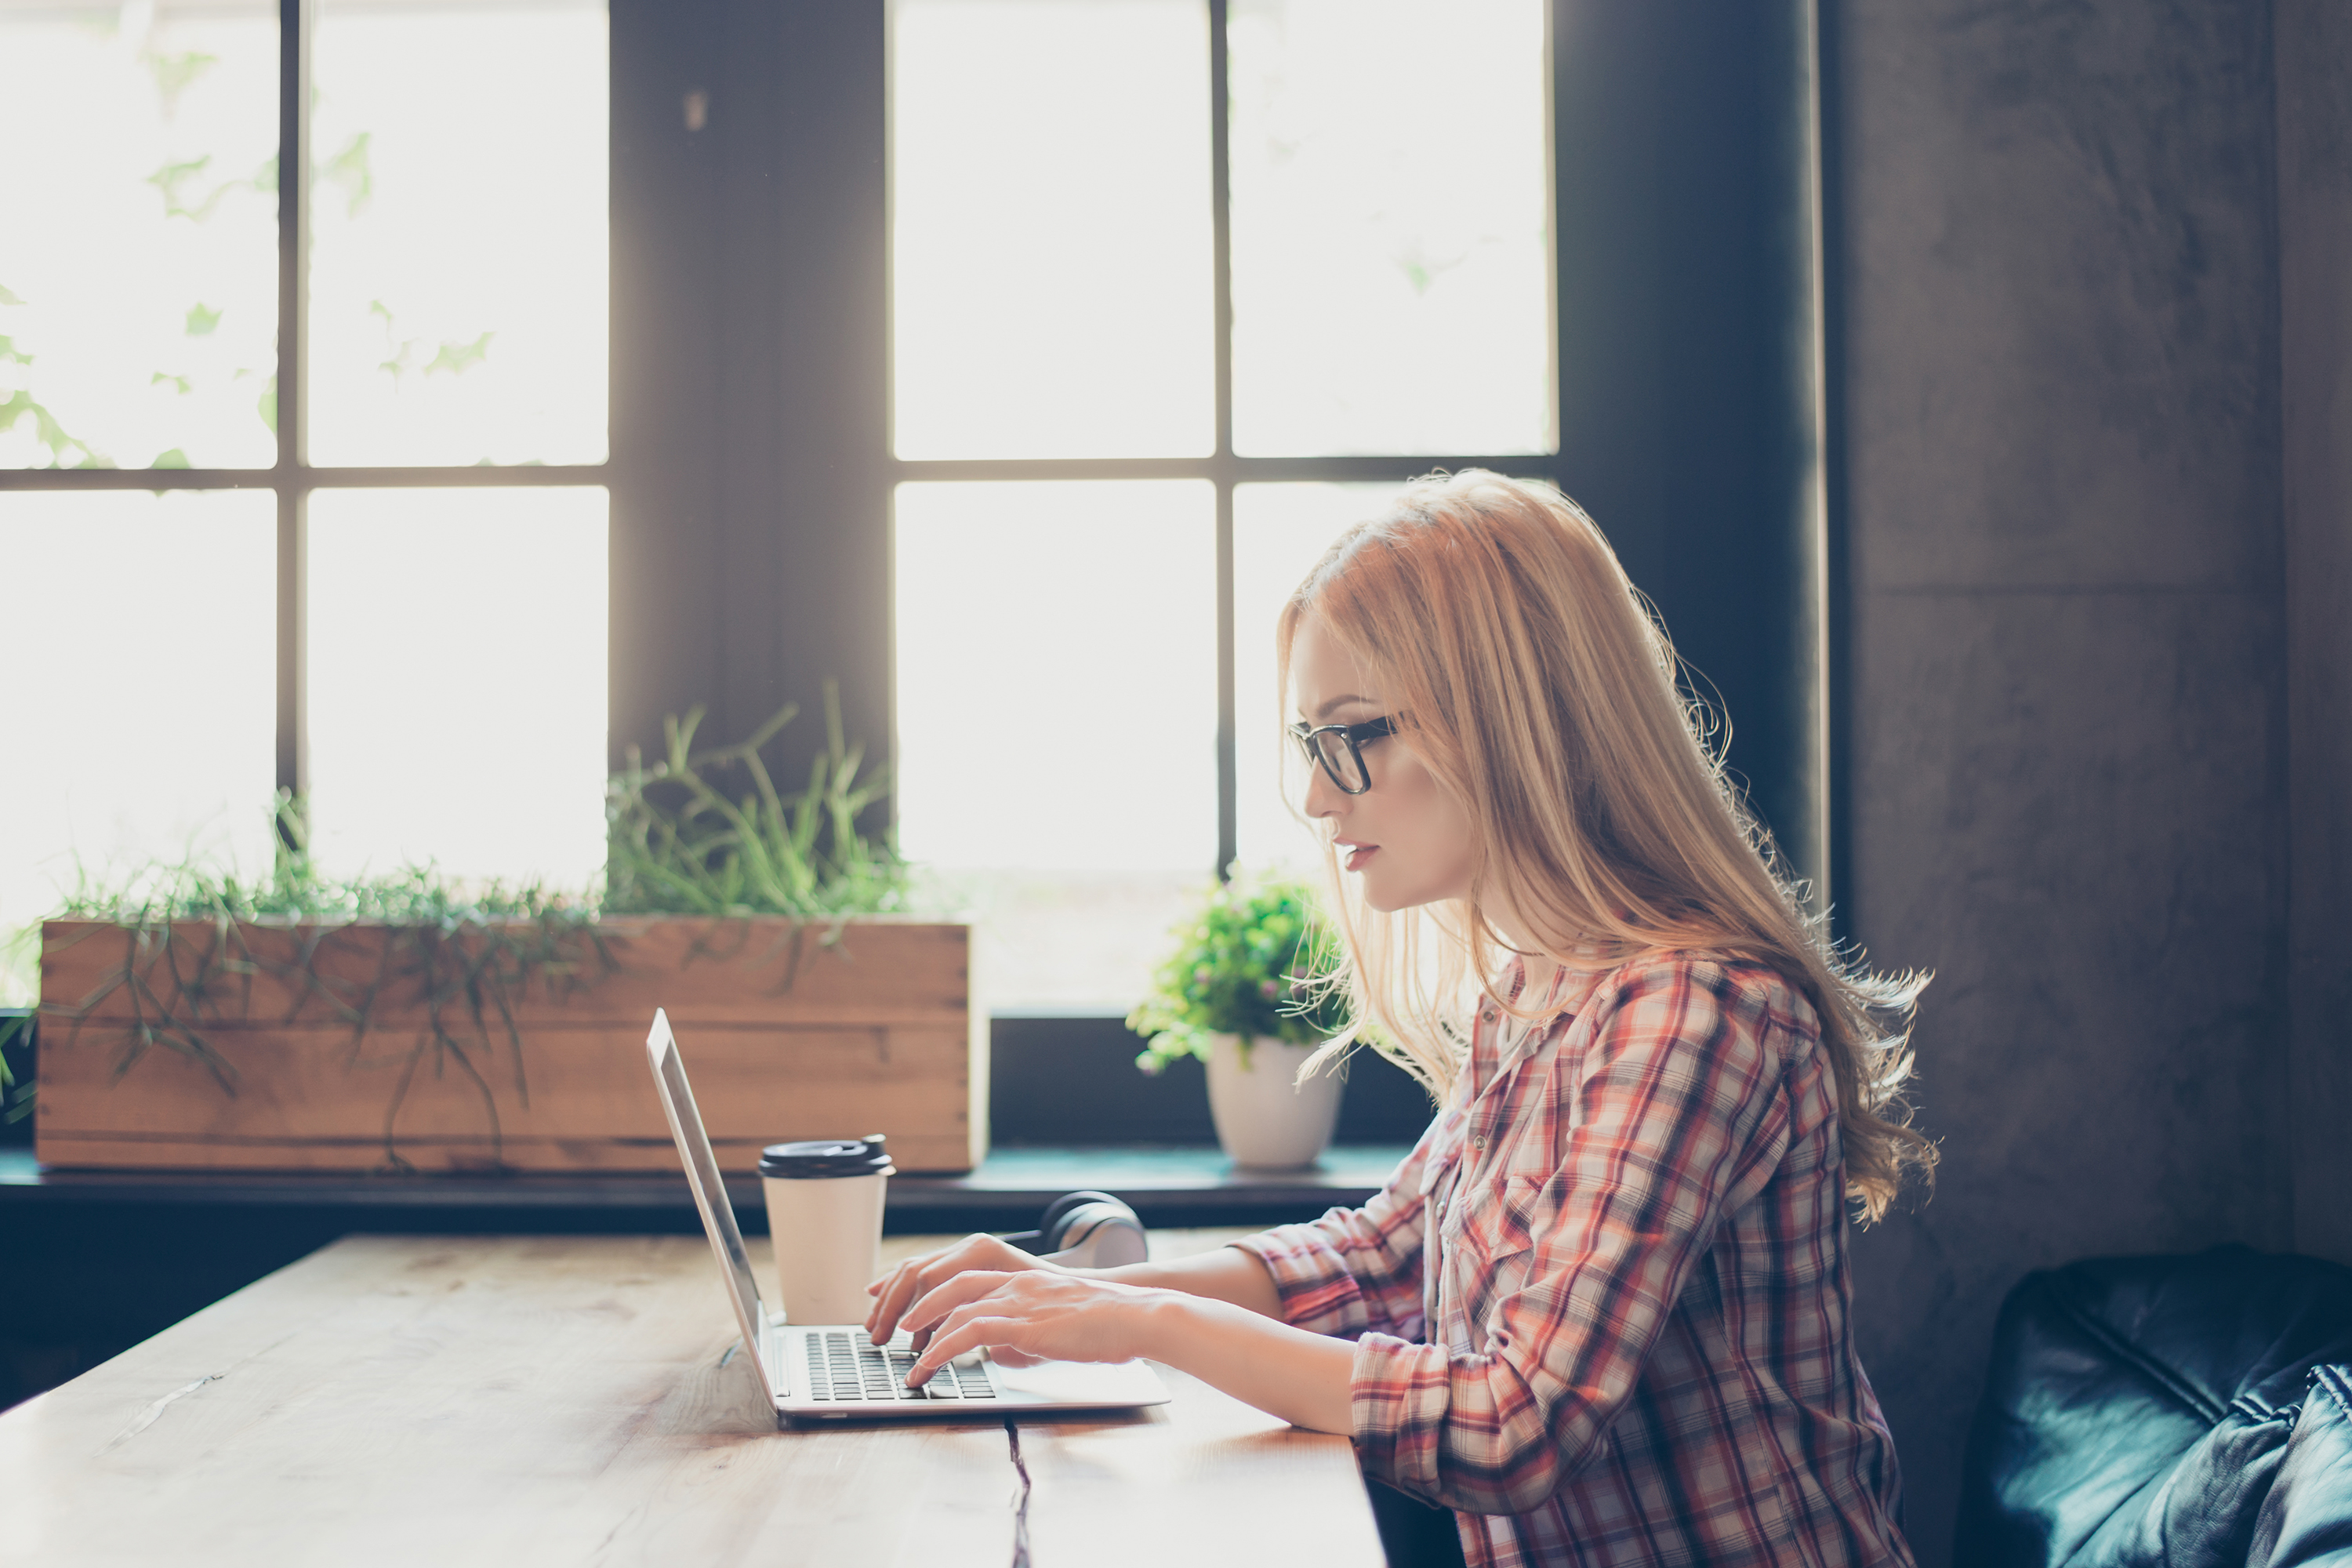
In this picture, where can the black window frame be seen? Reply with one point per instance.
(754, 474)
(749, 469)
(1224, 467)
(292, 477)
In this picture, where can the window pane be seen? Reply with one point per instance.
(457, 681)
(1390, 227)
(139, 252)
(457, 222)
(1280, 532)
(138, 690)
(1058, 720)
(1050, 244)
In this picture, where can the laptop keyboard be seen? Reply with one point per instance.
(848, 1365)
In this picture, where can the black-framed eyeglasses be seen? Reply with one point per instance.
(1338, 750)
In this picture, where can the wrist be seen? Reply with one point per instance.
(1166, 1322)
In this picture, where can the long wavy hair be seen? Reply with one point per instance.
(1523, 669)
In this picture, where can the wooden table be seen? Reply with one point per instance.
(416, 1400)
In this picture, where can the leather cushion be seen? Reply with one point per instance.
(2201, 1513)
(2307, 1520)
(2137, 1408)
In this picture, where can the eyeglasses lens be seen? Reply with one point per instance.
(1339, 759)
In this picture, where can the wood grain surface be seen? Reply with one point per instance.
(757, 969)
(562, 1400)
(787, 1038)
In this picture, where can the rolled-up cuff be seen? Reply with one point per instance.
(1311, 1278)
(1399, 1393)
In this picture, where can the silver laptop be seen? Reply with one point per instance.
(832, 1371)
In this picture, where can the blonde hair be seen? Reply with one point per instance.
(1525, 672)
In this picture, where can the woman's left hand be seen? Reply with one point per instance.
(1034, 1316)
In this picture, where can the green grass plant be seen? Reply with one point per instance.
(680, 843)
(466, 952)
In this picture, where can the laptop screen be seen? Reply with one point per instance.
(709, 1187)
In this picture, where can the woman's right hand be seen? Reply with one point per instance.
(918, 1276)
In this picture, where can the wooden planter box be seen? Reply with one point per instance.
(785, 1037)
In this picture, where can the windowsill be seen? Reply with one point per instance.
(1184, 1184)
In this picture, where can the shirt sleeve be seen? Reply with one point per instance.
(1354, 1270)
(1674, 1116)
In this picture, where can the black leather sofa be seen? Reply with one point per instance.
(2163, 1412)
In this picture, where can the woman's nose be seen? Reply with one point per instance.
(1324, 798)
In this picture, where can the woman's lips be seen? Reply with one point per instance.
(1358, 854)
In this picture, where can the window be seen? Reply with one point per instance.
(1194, 267)
(302, 479)
(1178, 289)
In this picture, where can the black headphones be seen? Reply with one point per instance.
(1086, 1230)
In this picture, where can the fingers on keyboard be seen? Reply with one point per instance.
(850, 1367)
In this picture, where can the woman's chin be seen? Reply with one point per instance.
(1382, 889)
(1387, 899)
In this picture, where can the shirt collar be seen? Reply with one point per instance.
(1563, 996)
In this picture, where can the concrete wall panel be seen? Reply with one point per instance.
(2066, 676)
(2064, 352)
(2314, 54)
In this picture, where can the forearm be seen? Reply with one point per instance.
(1174, 1313)
(1304, 1378)
(1227, 1275)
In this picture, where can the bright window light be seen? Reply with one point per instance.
(1057, 716)
(457, 681)
(458, 219)
(139, 246)
(133, 737)
(1050, 223)
(1391, 226)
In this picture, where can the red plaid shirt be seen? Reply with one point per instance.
(1630, 1342)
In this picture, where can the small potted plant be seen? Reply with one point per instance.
(1241, 992)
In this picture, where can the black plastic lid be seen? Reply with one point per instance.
(825, 1157)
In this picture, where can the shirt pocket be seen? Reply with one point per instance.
(1494, 1251)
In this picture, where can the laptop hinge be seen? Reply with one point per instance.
(780, 1370)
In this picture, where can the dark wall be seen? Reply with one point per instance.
(2315, 61)
(749, 556)
(750, 552)
(1057, 1081)
(1689, 430)
(2057, 296)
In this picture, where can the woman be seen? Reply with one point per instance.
(1602, 1310)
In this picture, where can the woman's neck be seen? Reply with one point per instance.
(1541, 972)
(1539, 968)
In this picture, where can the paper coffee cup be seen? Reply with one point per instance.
(824, 1215)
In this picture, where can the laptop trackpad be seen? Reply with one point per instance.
(1070, 1382)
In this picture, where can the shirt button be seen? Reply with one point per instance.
(1488, 1015)
(1478, 1143)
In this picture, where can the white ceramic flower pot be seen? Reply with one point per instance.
(1266, 1120)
